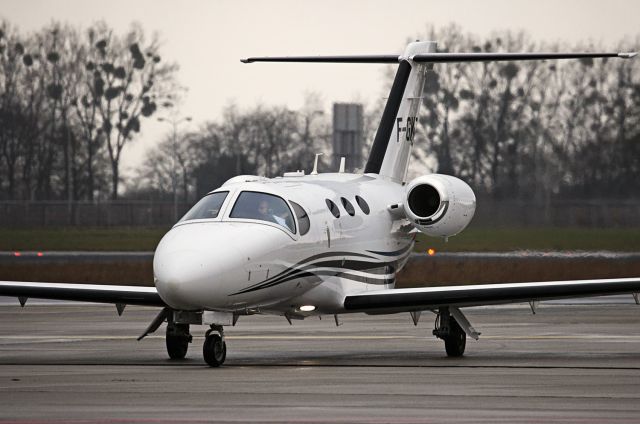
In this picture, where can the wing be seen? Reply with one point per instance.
(399, 300)
(123, 295)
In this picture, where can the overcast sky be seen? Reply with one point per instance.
(207, 39)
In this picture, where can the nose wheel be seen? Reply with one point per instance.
(214, 349)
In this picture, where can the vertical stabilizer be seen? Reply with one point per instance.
(391, 148)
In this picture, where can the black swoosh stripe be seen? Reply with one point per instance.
(295, 272)
(352, 265)
(318, 273)
(295, 267)
(395, 253)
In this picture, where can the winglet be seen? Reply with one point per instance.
(629, 55)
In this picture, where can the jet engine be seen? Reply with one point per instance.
(439, 205)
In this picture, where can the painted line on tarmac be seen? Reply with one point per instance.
(58, 339)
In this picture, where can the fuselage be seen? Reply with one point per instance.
(328, 236)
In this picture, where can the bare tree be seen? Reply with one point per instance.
(126, 83)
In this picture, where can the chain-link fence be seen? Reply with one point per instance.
(90, 214)
(489, 213)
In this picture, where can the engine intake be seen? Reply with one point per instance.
(439, 205)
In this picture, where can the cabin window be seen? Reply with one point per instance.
(333, 208)
(363, 205)
(207, 208)
(348, 206)
(263, 207)
(303, 218)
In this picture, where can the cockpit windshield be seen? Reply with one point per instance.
(208, 207)
(263, 207)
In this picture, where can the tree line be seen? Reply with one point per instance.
(262, 140)
(70, 100)
(533, 129)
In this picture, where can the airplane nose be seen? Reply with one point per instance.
(189, 258)
(196, 265)
(177, 272)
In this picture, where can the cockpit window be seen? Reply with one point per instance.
(303, 219)
(263, 207)
(208, 207)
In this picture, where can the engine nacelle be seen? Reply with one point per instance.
(439, 205)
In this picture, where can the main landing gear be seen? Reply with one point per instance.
(448, 329)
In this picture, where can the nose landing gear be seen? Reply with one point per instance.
(214, 349)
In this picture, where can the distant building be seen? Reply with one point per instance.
(348, 130)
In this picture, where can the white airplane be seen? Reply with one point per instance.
(323, 243)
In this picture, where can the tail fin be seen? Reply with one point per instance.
(391, 148)
(392, 145)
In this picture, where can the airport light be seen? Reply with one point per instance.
(431, 251)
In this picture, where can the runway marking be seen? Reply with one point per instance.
(306, 363)
(61, 339)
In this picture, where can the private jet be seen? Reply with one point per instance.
(305, 245)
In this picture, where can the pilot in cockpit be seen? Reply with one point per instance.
(265, 214)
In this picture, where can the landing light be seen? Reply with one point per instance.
(307, 308)
(431, 252)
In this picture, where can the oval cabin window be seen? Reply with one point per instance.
(333, 208)
(363, 205)
(348, 206)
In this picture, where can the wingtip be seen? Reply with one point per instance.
(629, 55)
(245, 60)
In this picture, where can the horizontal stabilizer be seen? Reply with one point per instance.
(382, 58)
(437, 57)
(495, 57)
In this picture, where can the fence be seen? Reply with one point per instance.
(489, 213)
(90, 214)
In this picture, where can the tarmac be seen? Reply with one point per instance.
(572, 362)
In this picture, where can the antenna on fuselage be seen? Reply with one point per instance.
(342, 164)
(315, 164)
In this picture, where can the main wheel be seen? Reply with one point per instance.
(214, 350)
(456, 340)
(177, 340)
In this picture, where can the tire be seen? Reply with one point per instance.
(177, 346)
(214, 350)
(456, 341)
(177, 340)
